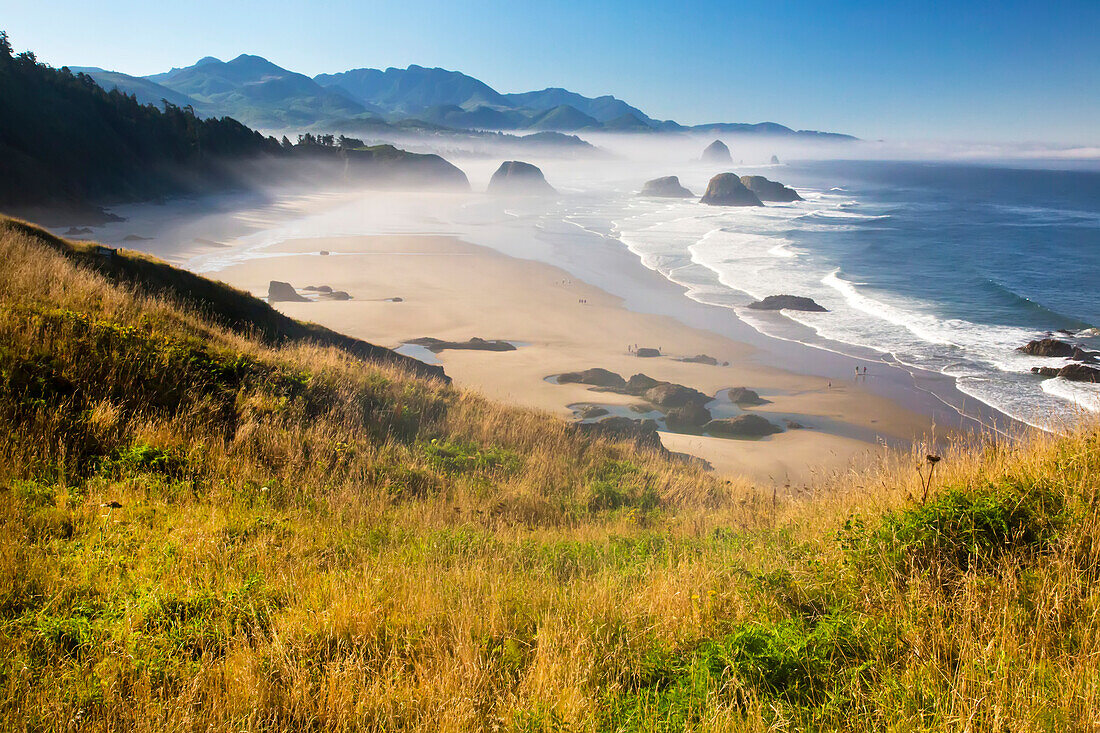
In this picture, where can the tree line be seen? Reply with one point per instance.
(66, 140)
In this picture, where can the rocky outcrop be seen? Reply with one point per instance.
(767, 190)
(775, 160)
(700, 359)
(647, 353)
(587, 412)
(280, 292)
(596, 377)
(691, 416)
(726, 189)
(336, 295)
(1080, 373)
(1047, 347)
(1089, 357)
(666, 187)
(1072, 372)
(643, 433)
(744, 396)
(1052, 347)
(743, 426)
(474, 344)
(669, 395)
(787, 302)
(639, 384)
(517, 177)
(717, 152)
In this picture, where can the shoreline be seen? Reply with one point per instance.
(264, 242)
(608, 264)
(455, 290)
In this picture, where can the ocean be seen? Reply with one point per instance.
(942, 267)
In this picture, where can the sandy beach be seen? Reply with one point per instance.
(453, 290)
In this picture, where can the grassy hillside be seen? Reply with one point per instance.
(201, 531)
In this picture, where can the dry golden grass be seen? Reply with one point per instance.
(305, 541)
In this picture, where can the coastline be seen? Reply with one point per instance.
(507, 287)
(454, 290)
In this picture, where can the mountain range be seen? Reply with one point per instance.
(261, 94)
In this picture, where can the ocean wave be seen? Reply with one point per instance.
(1081, 394)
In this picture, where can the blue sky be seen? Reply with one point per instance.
(968, 71)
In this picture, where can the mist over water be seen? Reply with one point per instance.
(947, 267)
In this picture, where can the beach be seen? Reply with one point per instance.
(454, 290)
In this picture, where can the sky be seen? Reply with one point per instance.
(962, 71)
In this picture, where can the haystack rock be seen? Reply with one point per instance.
(517, 177)
(667, 187)
(717, 152)
(726, 189)
(767, 190)
(280, 292)
(775, 160)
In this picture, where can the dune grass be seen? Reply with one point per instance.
(200, 531)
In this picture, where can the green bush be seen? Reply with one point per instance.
(959, 531)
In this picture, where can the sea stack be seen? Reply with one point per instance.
(667, 187)
(517, 177)
(717, 152)
(770, 190)
(726, 189)
(775, 160)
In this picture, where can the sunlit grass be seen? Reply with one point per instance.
(198, 532)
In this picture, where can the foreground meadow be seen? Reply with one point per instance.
(201, 529)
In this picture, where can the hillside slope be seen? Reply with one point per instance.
(202, 532)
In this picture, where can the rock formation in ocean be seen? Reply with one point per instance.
(743, 426)
(280, 292)
(767, 190)
(787, 302)
(775, 160)
(1071, 372)
(1047, 347)
(717, 152)
(517, 177)
(726, 189)
(666, 187)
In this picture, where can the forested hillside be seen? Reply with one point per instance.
(63, 139)
(65, 143)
